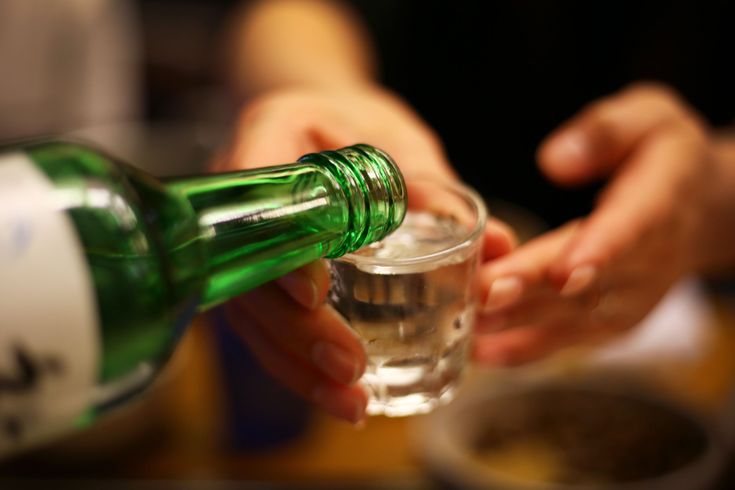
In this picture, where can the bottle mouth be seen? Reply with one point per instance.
(458, 202)
(375, 190)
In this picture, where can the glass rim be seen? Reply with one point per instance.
(468, 194)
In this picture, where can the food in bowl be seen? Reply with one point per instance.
(603, 431)
(578, 437)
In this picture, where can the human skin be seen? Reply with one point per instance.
(667, 211)
(306, 73)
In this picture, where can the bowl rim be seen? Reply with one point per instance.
(436, 442)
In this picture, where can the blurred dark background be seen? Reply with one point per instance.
(492, 77)
(182, 56)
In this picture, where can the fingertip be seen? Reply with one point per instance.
(565, 157)
(348, 404)
(308, 285)
(579, 266)
(319, 273)
(499, 239)
(338, 363)
(331, 315)
(503, 292)
(342, 334)
(301, 288)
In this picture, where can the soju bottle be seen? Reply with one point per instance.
(102, 266)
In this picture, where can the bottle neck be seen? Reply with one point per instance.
(259, 224)
(256, 225)
(374, 189)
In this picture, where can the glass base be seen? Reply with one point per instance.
(412, 404)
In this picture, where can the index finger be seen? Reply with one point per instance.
(647, 195)
(596, 141)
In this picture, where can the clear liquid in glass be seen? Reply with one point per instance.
(414, 319)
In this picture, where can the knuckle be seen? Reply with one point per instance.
(654, 90)
(426, 137)
(659, 97)
(696, 128)
(431, 137)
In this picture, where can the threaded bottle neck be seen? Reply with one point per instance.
(374, 189)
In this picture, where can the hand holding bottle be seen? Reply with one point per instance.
(666, 212)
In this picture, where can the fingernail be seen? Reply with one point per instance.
(301, 288)
(336, 362)
(347, 408)
(503, 292)
(580, 279)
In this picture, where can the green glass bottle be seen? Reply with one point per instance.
(102, 266)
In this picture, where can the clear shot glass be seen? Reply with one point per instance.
(412, 298)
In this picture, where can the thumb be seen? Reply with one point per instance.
(596, 141)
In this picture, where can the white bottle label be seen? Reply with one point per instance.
(49, 337)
